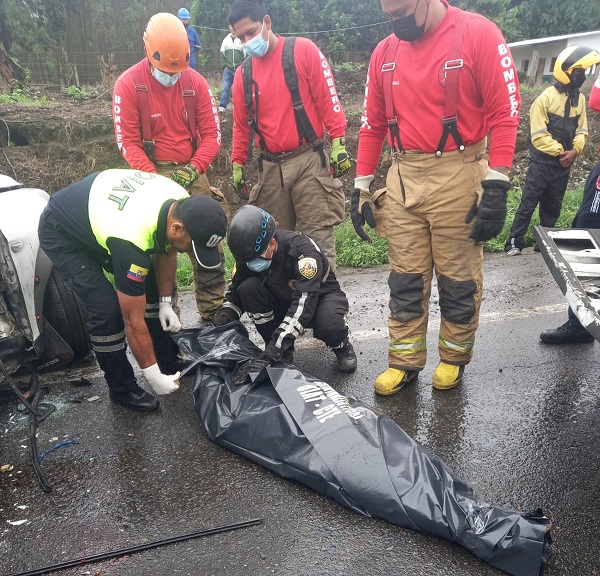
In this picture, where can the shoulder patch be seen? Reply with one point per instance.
(307, 267)
(137, 273)
(233, 270)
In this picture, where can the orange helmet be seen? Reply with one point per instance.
(166, 43)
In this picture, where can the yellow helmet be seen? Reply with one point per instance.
(574, 57)
(166, 43)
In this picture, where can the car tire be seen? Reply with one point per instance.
(65, 312)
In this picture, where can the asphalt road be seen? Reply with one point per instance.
(523, 428)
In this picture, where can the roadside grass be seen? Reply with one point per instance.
(354, 253)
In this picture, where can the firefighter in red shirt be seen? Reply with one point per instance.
(295, 182)
(441, 82)
(166, 121)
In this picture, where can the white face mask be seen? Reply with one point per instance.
(164, 78)
(257, 46)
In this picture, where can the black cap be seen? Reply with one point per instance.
(206, 223)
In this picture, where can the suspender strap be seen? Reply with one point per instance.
(306, 132)
(250, 89)
(452, 72)
(144, 106)
(388, 70)
(189, 99)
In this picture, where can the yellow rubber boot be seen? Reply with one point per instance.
(447, 376)
(393, 380)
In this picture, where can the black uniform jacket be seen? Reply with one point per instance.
(299, 274)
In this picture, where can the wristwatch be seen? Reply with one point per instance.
(166, 299)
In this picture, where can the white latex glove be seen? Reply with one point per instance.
(161, 383)
(168, 318)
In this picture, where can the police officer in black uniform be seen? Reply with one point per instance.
(132, 224)
(284, 283)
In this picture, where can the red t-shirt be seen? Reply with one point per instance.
(276, 119)
(595, 96)
(168, 117)
(488, 99)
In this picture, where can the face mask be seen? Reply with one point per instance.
(406, 28)
(164, 78)
(257, 46)
(577, 80)
(258, 264)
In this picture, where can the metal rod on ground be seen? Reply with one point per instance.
(33, 422)
(139, 548)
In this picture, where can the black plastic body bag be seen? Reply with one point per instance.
(301, 428)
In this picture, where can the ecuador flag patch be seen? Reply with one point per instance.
(137, 273)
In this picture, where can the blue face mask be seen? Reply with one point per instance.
(165, 79)
(257, 46)
(258, 264)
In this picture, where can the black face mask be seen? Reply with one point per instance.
(577, 80)
(406, 28)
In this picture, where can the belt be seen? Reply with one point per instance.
(277, 158)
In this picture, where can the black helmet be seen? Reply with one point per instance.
(250, 232)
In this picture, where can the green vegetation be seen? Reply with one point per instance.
(81, 93)
(353, 252)
(55, 35)
(20, 96)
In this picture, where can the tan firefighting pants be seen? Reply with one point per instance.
(424, 222)
(209, 285)
(301, 194)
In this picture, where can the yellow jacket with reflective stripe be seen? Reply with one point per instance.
(551, 133)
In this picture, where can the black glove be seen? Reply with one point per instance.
(491, 212)
(361, 212)
(224, 315)
(254, 365)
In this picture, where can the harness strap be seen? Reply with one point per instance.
(189, 96)
(452, 68)
(189, 99)
(388, 69)
(144, 106)
(306, 132)
(452, 72)
(251, 89)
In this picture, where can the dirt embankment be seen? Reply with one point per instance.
(54, 145)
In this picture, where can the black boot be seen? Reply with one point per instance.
(569, 333)
(136, 399)
(346, 358)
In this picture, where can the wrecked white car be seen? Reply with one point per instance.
(42, 323)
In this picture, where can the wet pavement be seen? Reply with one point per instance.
(523, 428)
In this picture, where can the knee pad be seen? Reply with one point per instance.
(406, 295)
(457, 299)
